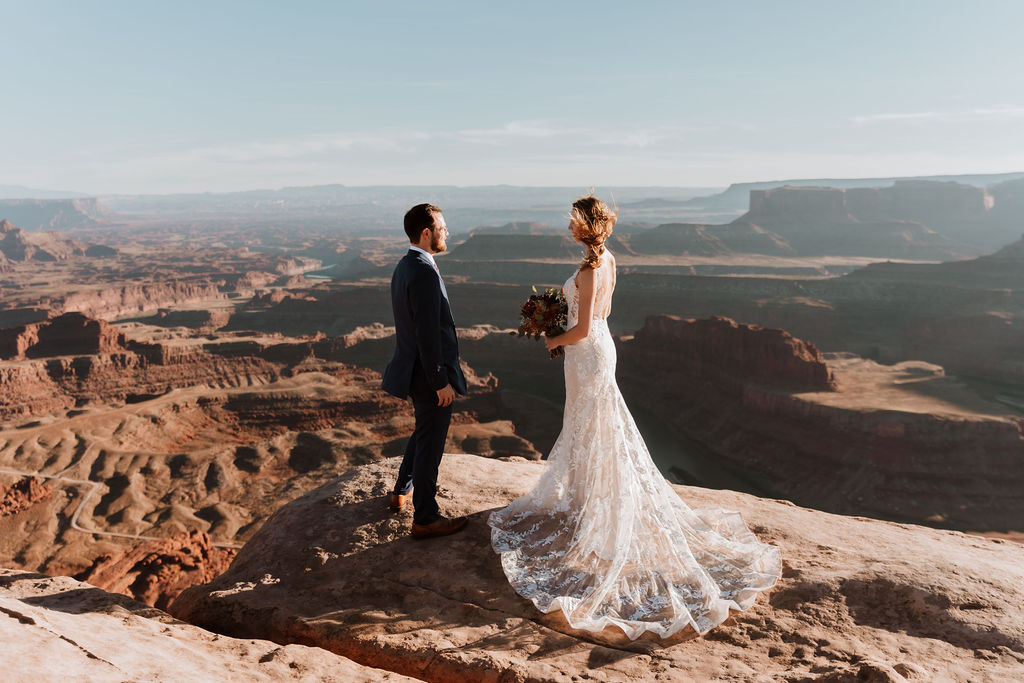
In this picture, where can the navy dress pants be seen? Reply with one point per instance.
(424, 450)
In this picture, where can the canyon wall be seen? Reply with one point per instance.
(910, 219)
(933, 204)
(721, 350)
(829, 440)
(17, 244)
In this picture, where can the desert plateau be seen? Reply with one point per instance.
(550, 342)
(192, 424)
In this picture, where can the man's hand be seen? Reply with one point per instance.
(445, 396)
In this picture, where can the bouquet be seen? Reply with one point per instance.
(546, 314)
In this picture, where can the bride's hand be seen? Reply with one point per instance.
(552, 342)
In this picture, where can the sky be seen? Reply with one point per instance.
(160, 97)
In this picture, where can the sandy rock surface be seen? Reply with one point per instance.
(58, 629)
(860, 599)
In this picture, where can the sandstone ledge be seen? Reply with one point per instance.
(860, 599)
(58, 629)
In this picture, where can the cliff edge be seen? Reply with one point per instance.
(59, 629)
(860, 599)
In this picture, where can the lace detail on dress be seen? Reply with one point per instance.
(604, 277)
(602, 536)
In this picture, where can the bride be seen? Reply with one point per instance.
(602, 536)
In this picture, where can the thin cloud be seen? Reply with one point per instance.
(1004, 112)
(292, 148)
(519, 132)
(512, 132)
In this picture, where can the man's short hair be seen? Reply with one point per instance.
(418, 219)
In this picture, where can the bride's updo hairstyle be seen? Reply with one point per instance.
(598, 221)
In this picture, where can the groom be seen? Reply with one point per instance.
(425, 368)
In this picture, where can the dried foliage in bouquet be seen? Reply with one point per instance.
(544, 314)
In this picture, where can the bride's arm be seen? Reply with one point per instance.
(579, 331)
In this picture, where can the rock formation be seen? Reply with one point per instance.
(843, 434)
(204, 320)
(18, 245)
(53, 214)
(1008, 200)
(859, 599)
(156, 571)
(121, 300)
(62, 629)
(965, 315)
(73, 361)
(679, 239)
(23, 494)
(152, 434)
(722, 351)
(520, 245)
(828, 220)
(71, 334)
(520, 241)
(907, 219)
(46, 275)
(736, 197)
(518, 228)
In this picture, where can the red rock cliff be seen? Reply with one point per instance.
(847, 435)
(734, 353)
(70, 334)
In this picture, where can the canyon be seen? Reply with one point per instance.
(834, 432)
(176, 380)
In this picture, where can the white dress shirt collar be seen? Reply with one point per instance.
(430, 256)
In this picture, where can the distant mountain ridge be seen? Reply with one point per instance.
(17, 244)
(517, 228)
(22, 192)
(53, 214)
(909, 219)
(382, 196)
(737, 195)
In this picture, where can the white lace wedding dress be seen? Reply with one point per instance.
(602, 536)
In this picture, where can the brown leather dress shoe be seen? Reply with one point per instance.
(440, 527)
(397, 500)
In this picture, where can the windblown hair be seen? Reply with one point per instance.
(598, 221)
(418, 219)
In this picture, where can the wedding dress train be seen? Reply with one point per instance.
(602, 536)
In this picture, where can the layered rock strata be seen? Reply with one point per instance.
(845, 435)
(71, 334)
(828, 220)
(910, 218)
(171, 435)
(723, 351)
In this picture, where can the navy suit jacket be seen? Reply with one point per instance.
(424, 329)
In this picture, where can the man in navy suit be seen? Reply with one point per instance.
(425, 368)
